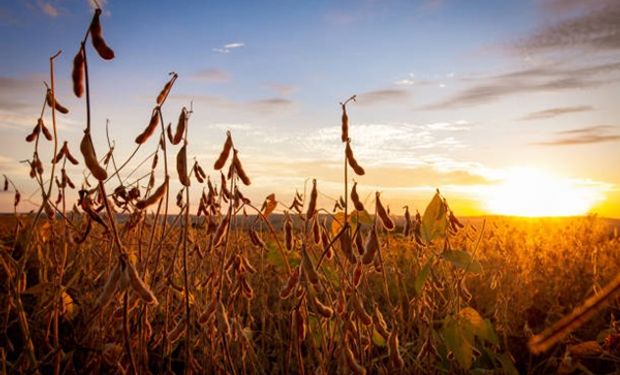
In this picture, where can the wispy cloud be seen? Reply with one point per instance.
(539, 79)
(586, 135)
(47, 8)
(212, 75)
(282, 89)
(383, 96)
(267, 105)
(228, 47)
(554, 112)
(595, 28)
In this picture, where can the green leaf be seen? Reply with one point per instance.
(435, 219)
(489, 333)
(458, 339)
(377, 339)
(462, 259)
(420, 279)
(480, 327)
(507, 365)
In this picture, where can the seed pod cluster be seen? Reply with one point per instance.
(308, 267)
(90, 158)
(220, 233)
(64, 152)
(182, 166)
(386, 220)
(96, 36)
(356, 198)
(221, 160)
(45, 130)
(53, 102)
(324, 310)
(77, 74)
(292, 282)
(155, 197)
(352, 162)
(150, 129)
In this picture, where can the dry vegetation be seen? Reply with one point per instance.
(115, 284)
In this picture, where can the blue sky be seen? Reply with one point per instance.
(451, 94)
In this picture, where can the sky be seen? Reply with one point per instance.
(505, 106)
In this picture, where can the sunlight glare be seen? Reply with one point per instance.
(531, 192)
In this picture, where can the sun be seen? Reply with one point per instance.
(533, 193)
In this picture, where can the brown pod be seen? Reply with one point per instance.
(90, 158)
(208, 312)
(356, 198)
(239, 169)
(380, 324)
(166, 90)
(316, 231)
(35, 132)
(139, 286)
(6, 183)
(288, 233)
(110, 287)
(182, 166)
(354, 366)
(60, 108)
(346, 246)
(169, 132)
(181, 125)
(17, 198)
(372, 246)
(155, 197)
(352, 162)
(394, 351)
(359, 241)
(324, 310)
(71, 158)
(220, 233)
(360, 311)
(155, 160)
(96, 35)
(150, 129)
(62, 152)
(309, 269)
(387, 221)
(221, 160)
(357, 274)
(45, 130)
(345, 124)
(312, 204)
(78, 73)
(290, 285)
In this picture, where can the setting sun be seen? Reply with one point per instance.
(531, 192)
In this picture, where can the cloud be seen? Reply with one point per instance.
(212, 75)
(47, 8)
(539, 79)
(281, 89)
(228, 47)
(259, 105)
(554, 112)
(595, 28)
(271, 104)
(586, 135)
(383, 96)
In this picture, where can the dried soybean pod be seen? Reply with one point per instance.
(309, 269)
(90, 158)
(77, 73)
(181, 125)
(150, 129)
(394, 351)
(169, 132)
(323, 309)
(360, 311)
(356, 198)
(71, 158)
(35, 132)
(110, 287)
(352, 162)
(372, 246)
(288, 233)
(6, 183)
(45, 130)
(380, 324)
(359, 241)
(316, 231)
(312, 204)
(182, 166)
(240, 171)
(221, 160)
(346, 246)
(60, 108)
(357, 274)
(220, 233)
(139, 286)
(96, 35)
(345, 123)
(354, 366)
(155, 197)
(60, 154)
(166, 90)
(387, 221)
(290, 285)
